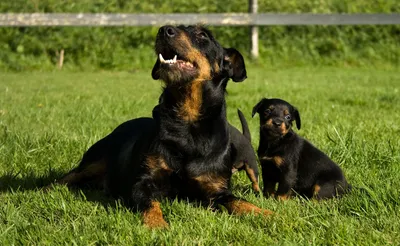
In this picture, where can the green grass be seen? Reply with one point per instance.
(47, 120)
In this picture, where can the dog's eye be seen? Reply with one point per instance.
(202, 35)
(267, 111)
(288, 117)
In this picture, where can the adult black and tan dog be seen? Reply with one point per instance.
(291, 161)
(186, 153)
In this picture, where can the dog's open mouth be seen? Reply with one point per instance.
(176, 63)
(174, 68)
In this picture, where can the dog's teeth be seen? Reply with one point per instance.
(174, 60)
(161, 58)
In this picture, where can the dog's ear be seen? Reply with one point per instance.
(296, 115)
(154, 73)
(257, 107)
(234, 63)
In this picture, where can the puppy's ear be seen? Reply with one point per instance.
(257, 107)
(234, 63)
(154, 73)
(296, 115)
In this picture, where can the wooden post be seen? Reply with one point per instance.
(253, 8)
(61, 59)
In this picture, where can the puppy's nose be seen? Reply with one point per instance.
(168, 31)
(277, 122)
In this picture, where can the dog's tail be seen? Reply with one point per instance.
(245, 127)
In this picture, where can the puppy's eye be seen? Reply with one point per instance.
(288, 117)
(267, 111)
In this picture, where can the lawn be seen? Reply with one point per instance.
(48, 119)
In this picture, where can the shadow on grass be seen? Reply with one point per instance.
(29, 181)
(13, 182)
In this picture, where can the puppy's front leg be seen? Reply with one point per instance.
(238, 206)
(286, 183)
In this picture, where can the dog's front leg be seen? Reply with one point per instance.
(150, 189)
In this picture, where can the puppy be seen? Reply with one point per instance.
(291, 161)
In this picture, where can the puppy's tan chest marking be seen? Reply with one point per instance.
(277, 160)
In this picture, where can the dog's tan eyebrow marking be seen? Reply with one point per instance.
(286, 111)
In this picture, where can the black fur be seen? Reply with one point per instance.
(291, 161)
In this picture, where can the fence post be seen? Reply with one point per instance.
(253, 8)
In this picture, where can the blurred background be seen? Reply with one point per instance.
(131, 48)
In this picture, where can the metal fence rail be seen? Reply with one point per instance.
(227, 19)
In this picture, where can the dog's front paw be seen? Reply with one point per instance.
(153, 218)
(155, 223)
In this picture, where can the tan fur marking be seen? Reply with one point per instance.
(216, 67)
(240, 207)
(95, 170)
(194, 55)
(269, 123)
(276, 159)
(284, 129)
(211, 183)
(157, 166)
(317, 188)
(153, 217)
(283, 197)
(190, 109)
(285, 112)
(252, 177)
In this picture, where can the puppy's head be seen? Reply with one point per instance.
(188, 53)
(276, 117)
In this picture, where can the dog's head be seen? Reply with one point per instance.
(276, 116)
(188, 53)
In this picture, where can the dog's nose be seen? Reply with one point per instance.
(168, 31)
(277, 122)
